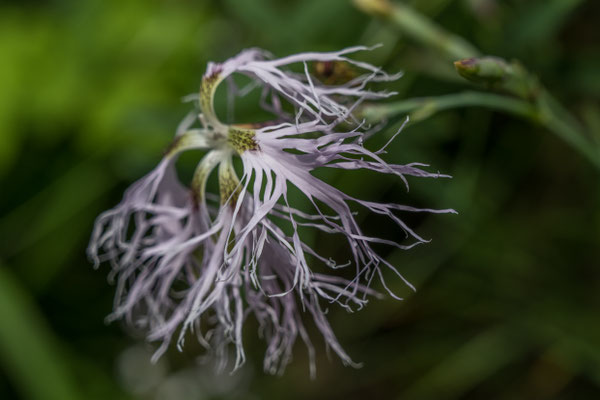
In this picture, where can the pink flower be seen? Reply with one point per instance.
(185, 259)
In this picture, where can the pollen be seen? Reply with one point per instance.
(241, 139)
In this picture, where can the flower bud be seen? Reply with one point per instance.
(498, 74)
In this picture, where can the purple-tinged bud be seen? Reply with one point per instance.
(497, 74)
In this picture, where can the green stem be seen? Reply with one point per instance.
(546, 112)
(536, 104)
(559, 121)
(420, 28)
(424, 107)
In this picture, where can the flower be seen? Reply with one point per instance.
(184, 258)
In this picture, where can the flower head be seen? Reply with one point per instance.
(190, 262)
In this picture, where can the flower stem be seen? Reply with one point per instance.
(424, 107)
(533, 101)
(559, 121)
(545, 112)
(497, 74)
(419, 28)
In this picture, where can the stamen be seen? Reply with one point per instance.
(241, 139)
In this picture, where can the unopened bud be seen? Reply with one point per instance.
(482, 70)
(498, 74)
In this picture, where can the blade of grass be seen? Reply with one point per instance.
(469, 365)
(29, 352)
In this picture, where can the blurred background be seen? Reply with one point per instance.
(508, 291)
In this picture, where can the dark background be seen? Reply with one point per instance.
(508, 290)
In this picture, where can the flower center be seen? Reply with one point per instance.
(241, 139)
(237, 138)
